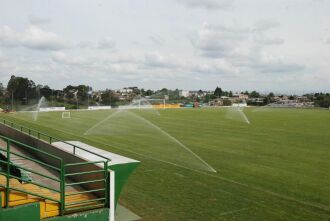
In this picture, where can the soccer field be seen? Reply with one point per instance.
(210, 164)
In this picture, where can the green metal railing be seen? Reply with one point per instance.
(60, 168)
(9, 164)
(104, 180)
(46, 137)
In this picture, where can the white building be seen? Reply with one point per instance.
(126, 90)
(184, 93)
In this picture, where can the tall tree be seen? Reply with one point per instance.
(108, 98)
(82, 91)
(254, 94)
(21, 87)
(218, 92)
(46, 91)
(2, 90)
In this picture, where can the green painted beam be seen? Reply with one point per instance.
(28, 212)
(122, 172)
(92, 215)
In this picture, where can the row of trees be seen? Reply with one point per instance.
(23, 91)
(320, 99)
(218, 92)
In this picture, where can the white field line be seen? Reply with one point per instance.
(318, 206)
(175, 140)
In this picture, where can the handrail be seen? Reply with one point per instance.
(32, 148)
(35, 183)
(50, 138)
(37, 161)
(84, 182)
(83, 173)
(83, 163)
(82, 192)
(84, 201)
(8, 174)
(31, 171)
(61, 168)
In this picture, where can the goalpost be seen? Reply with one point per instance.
(66, 115)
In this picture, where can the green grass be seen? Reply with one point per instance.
(276, 168)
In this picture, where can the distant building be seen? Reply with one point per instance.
(241, 96)
(184, 93)
(216, 102)
(258, 100)
(126, 91)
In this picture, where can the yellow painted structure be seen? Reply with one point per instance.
(48, 208)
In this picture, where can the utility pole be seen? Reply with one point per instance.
(52, 98)
(110, 97)
(12, 100)
(87, 96)
(26, 98)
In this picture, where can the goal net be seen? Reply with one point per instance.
(66, 115)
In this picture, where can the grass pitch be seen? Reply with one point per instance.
(276, 168)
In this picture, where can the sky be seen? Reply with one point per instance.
(265, 45)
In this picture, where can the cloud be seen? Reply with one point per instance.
(218, 40)
(264, 25)
(217, 67)
(208, 4)
(85, 44)
(62, 58)
(33, 38)
(157, 40)
(262, 39)
(328, 41)
(156, 60)
(106, 43)
(240, 48)
(35, 20)
(275, 65)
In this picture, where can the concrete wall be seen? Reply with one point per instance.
(66, 156)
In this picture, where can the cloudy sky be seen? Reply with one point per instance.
(281, 46)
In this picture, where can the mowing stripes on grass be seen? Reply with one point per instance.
(147, 139)
(277, 168)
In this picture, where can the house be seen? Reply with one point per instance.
(216, 102)
(241, 96)
(125, 91)
(184, 93)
